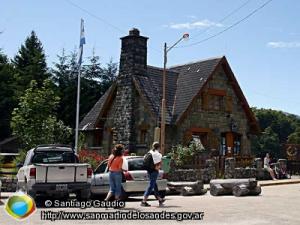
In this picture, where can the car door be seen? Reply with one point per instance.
(101, 179)
(22, 170)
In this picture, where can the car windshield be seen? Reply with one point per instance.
(54, 157)
(136, 164)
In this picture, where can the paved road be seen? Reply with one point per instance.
(276, 205)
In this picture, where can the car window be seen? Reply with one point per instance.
(101, 168)
(54, 157)
(136, 164)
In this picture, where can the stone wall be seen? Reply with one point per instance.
(217, 121)
(257, 171)
(206, 174)
(8, 184)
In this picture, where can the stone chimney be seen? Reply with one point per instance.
(133, 60)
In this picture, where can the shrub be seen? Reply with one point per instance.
(90, 156)
(183, 155)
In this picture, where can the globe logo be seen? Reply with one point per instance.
(20, 206)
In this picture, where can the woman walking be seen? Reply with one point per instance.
(115, 162)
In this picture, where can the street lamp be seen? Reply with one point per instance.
(163, 102)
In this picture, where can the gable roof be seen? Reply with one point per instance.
(191, 79)
(90, 120)
(183, 84)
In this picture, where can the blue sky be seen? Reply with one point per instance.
(263, 51)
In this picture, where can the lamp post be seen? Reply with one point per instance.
(163, 102)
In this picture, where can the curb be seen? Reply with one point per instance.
(268, 183)
(280, 183)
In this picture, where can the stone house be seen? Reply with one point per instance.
(203, 101)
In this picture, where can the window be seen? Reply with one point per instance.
(216, 103)
(136, 164)
(54, 157)
(101, 168)
(143, 137)
(230, 143)
(200, 139)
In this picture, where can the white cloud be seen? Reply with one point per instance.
(195, 25)
(281, 44)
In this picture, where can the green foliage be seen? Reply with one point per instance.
(183, 155)
(30, 63)
(1, 160)
(7, 93)
(294, 138)
(20, 158)
(267, 142)
(94, 82)
(34, 120)
(281, 123)
(278, 128)
(81, 140)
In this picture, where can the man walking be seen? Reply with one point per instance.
(152, 163)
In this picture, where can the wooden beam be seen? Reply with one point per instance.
(218, 92)
(200, 130)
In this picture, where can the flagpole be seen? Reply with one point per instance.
(82, 42)
(77, 108)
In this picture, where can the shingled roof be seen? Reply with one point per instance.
(89, 122)
(191, 78)
(183, 84)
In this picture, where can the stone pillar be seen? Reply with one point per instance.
(229, 168)
(258, 163)
(211, 168)
(283, 168)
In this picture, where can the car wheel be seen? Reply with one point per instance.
(83, 195)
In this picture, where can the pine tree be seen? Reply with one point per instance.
(109, 75)
(7, 95)
(65, 77)
(30, 63)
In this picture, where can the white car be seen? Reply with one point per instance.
(136, 178)
(54, 170)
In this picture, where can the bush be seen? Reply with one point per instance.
(20, 158)
(183, 155)
(90, 156)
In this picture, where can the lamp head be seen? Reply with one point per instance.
(185, 36)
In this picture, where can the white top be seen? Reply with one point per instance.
(266, 162)
(156, 156)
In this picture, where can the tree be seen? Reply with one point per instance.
(94, 82)
(109, 75)
(7, 95)
(281, 123)
(65, 77)
(30, 63)
(282, 127)
(34, 121)
(267, 142)
(294, 138)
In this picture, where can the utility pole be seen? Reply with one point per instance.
(163, 102)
